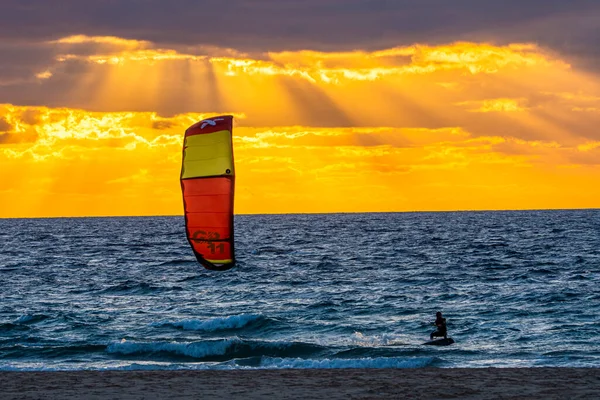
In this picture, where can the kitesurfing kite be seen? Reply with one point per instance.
(207, 185)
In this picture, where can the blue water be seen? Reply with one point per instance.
(311, 291)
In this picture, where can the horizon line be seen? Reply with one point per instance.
(320, 213)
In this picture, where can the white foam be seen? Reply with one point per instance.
(213, 324)
(379, 362)
(190, 349)
(119, 366)
(266, 363)
(23, 319)
(361, 340)
(387, 339)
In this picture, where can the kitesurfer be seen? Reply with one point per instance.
(441, 331)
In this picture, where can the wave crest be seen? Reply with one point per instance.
(371, 363)
(217, 324)
(215, 350)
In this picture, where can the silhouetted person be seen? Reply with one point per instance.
(441, 327)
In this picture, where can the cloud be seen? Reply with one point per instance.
(5, 126)
(127, 163)
(115, 74)
(361, 105)
(15, 138)
(263, 25)
(517, 90)
(494, 105)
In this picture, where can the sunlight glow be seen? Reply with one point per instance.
(455, 126)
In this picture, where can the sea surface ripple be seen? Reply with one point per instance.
(519, 289)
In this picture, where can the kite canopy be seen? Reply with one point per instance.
(207, 184)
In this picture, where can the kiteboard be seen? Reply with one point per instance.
(440, 342)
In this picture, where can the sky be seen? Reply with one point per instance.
(339, 105)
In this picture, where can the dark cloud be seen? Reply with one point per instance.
(31, 116)
(163, 124)
(591, 157)
(259, 25)
(31, 75)
(5, 126)
(12, 138)
(20, 61)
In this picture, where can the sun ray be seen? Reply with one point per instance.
(421, 127)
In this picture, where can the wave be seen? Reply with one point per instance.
(264, 363)
(271, 250)
(30, 319)
(23, 322)
(119, 366)
(371, 363)
(188, 278)
(218, 324)
(178, 261)
(358, 339)
(49, 351)
(214, 350)
(194, 350)
(132, 287)
(9, 326)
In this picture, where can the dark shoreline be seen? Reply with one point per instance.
(329, 384)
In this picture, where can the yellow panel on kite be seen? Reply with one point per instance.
(220, 261)
(207, 155)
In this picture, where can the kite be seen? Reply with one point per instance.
(207, 184)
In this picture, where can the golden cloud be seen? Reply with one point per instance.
(455, 126)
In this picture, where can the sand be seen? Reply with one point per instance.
(330, 384)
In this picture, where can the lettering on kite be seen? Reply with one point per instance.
(203, 236)
(212, 247)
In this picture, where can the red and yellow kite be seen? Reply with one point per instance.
(207, 184)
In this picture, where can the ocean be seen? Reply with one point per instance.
(518, 289)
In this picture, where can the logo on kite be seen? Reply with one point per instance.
(211, 122)
(202, 236)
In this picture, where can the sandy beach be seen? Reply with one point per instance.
(330, 384)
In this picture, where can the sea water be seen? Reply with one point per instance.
(518, 288)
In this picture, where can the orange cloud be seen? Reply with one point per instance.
(456, 126)
(494, 105)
